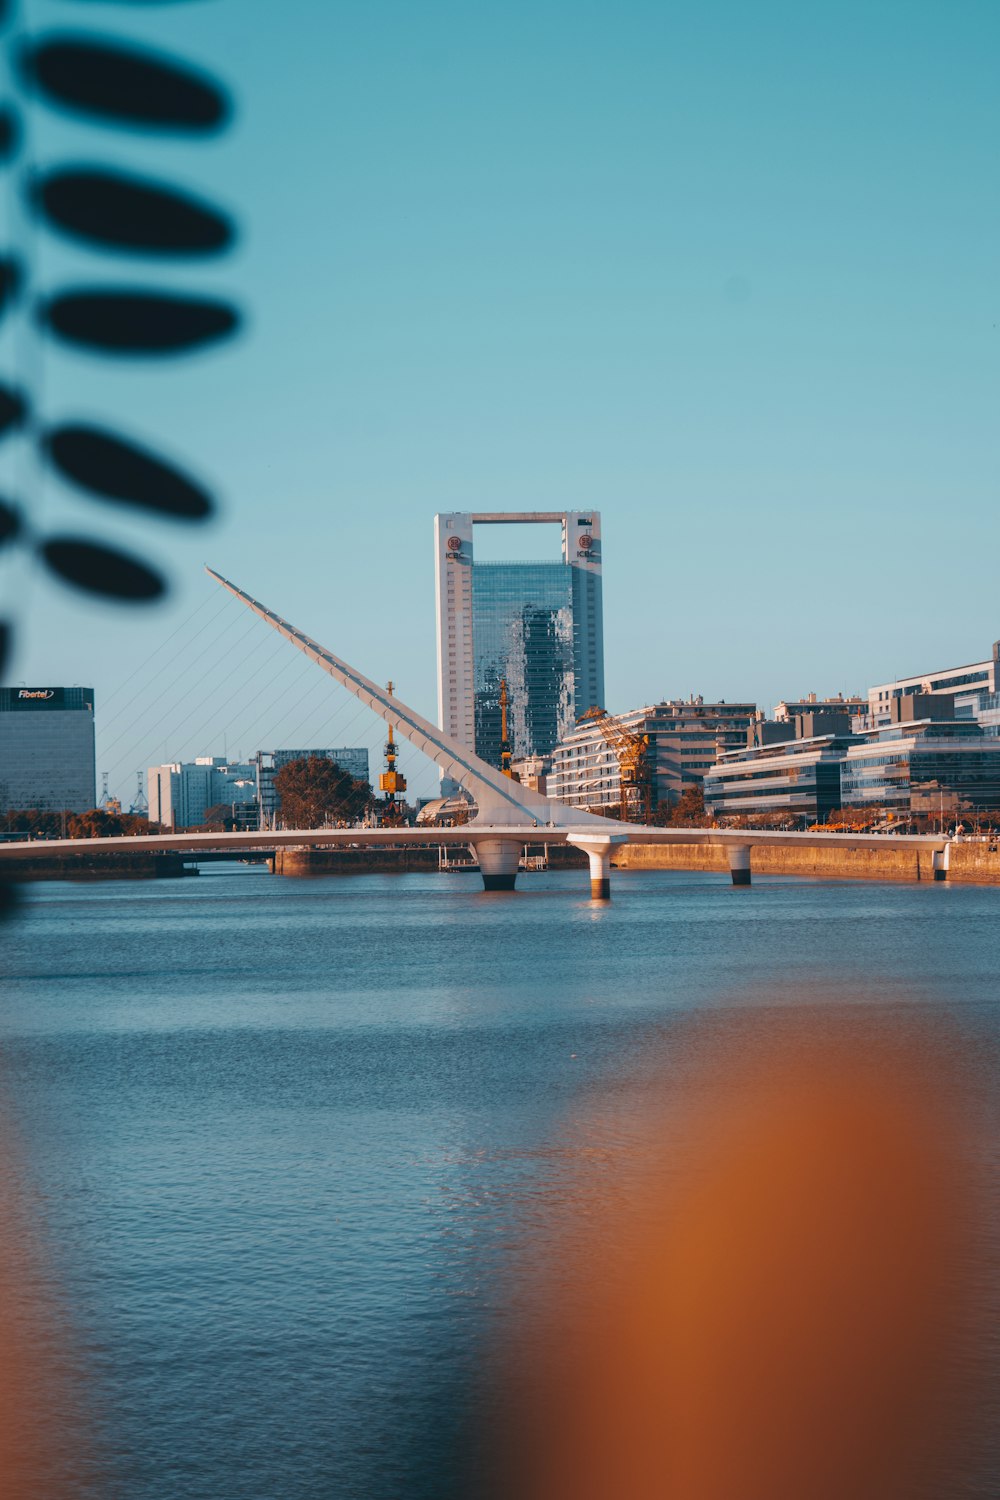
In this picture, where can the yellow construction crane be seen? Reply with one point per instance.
(504, 741)
(392, 781)
(631, 750)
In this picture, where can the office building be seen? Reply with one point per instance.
(854, 707)
(684, 740)
(181, 793)
(924, 759)
(536, 625)
(352, 759)
(969, 684)
(795, 777)
(47, 749)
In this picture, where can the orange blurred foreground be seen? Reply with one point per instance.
(762, 1297)
(44, 1444)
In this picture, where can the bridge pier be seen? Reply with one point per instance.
(739, 863)
(598, 851)
(498, 862)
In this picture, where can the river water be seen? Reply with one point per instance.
(280, 1136)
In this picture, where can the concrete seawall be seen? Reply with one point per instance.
(968, 863)
(406, 860)
(139, 866)
(301, 863)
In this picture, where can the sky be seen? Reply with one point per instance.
(726, 272)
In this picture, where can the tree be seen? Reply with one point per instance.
(314, 791)
(687, 812)
(98, 824)
(219, 818)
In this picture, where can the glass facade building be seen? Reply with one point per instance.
(903, 768)
(47, 749)
(522, 633)
(535, 625)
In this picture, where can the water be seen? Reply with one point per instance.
(280, 1136)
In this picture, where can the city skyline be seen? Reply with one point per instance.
(721, 311)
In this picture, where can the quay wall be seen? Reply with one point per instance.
(971, 862)
(404, 860)
(170, 865)
(302, 863)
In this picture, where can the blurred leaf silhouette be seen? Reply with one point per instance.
(114, 469)
(136, 322)
(13, 409)
(101, 570)
(10, 134)
(10, 521)
(113, 208)
(11, 281)
(120, 83)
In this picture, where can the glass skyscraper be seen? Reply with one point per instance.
(536, 625)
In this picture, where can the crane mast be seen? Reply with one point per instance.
(392, 781)
(504, 741)
(631, 750)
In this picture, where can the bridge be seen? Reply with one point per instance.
(507, 814)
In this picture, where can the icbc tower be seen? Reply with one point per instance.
(535, 625)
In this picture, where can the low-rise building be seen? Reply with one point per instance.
(532, 771)
(799, 778)
(793, 708)
(923, 758)
(684, 741)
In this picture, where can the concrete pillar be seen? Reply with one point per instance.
(598, 851)
(939, 863)
(739, 863)
(600, 874)
(498, 862)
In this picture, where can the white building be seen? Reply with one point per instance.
(967, 683)
(180, 793)
(684, 740)
(536, 625)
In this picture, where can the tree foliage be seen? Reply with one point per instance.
(687, 812)
(314, 791)
(219, 818)
(35, 822)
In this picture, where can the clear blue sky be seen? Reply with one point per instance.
(727, 271)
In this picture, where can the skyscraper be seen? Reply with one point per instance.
(537, 625)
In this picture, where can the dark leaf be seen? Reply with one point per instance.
(105, 77)
(10, 521)
(13, 409)
(137, 322)
(101, 570)
(117, 470)
(11, 280)
(131, 213)
(10, 133)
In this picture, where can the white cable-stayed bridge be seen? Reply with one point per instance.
(508, 816)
